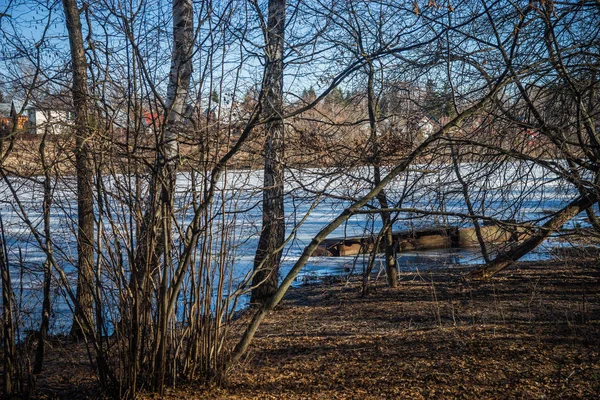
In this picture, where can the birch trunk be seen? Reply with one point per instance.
(168, 155)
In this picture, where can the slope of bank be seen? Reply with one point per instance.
(532, 333)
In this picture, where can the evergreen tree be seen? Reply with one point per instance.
(214, 97)
(309, 95)
(337, 96)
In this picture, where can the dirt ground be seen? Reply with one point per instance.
(531, 333)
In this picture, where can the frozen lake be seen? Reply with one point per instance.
(521, 192)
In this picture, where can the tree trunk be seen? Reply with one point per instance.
(386, 230)
(84, 304)
(177, 93)
(8, 329)
(272, 236)
(505, 260)
(465, 189)
(46, 308)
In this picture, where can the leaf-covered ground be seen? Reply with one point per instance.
(531, 333)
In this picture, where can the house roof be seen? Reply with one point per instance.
(53, 102)
(151, 119)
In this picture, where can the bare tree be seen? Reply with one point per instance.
(179, 81)
(559, 95)
(353, 209)
(168, 120)
(84, 305)
(272, 235)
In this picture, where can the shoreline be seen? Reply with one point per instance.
(532, 332)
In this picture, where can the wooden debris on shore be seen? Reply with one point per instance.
(443, 237)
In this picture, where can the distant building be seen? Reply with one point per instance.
(425, 127)
(414, 129)
(6, 110)
(51, 115)
(152, 121)
(8, 116)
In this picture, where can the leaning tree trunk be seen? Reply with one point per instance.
(272, 302)
(505, 260)
(84, 304)
(272, 236)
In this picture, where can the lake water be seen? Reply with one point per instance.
(522, 192)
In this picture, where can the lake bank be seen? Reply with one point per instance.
(533, 332)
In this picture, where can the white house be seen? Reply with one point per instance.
(53, 121)
(52, 114)
(425, 127)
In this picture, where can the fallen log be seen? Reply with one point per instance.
(443, 237)
(506, 259)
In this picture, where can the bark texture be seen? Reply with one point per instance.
(272, 236)
(84, 304)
